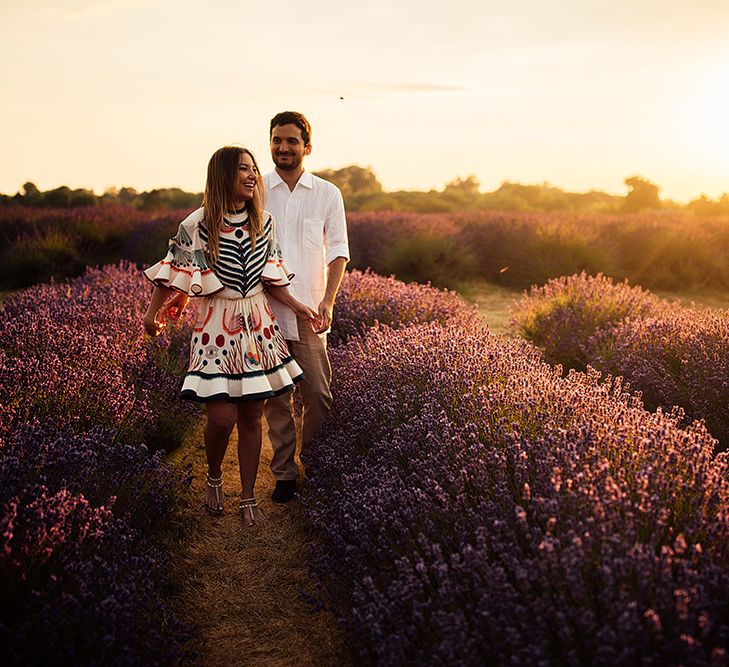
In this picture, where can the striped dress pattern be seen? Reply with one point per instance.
(237, 351)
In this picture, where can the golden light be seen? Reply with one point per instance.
(707, 115)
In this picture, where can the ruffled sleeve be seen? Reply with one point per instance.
(185, 267)
(274, 272)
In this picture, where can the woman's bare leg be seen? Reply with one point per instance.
(221, 419)
(249, 453)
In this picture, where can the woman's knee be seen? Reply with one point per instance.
(250, 413)
(221, 418)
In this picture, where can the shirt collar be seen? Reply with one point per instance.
(305, 180)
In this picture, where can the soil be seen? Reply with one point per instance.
(247, 590)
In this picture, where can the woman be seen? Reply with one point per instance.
(225, 253)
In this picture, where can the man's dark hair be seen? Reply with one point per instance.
(293, 118)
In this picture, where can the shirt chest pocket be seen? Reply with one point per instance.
(313, 233)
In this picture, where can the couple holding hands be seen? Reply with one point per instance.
(281, 235)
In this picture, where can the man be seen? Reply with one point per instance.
(312, 233)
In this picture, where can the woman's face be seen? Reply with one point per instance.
(247, 178)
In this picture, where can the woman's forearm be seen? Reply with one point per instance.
(283, 295)
(159, 296)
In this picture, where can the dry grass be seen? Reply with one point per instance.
(493, 303)
(242, 587)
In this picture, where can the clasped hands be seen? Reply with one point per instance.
(154, 323)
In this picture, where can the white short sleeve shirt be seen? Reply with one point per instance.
(312, 232)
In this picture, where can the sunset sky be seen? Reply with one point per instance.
(579, 93)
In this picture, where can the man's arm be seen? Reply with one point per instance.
(335, 273)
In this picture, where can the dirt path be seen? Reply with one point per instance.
(244, 588)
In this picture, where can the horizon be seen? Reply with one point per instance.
(544, 184)
(116, 92)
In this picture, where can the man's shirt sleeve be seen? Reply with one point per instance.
(336, 243)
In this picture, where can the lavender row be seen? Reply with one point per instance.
(366, 299)
(38, 243)
(474, 507)
(85, 505)
(667, 250)
(674, 356)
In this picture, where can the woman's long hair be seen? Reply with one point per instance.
(220, 194)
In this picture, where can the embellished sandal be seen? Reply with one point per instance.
(214, 485)
(252, 516)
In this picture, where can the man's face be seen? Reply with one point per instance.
(287, 147)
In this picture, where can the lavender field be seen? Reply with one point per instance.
(87, 409)
(469, 504)
(672, 250)
(475, 507)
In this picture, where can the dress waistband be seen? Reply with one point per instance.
(228, 293)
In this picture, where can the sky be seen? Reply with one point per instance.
(577, 93)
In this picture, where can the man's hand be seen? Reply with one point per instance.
(302, 310)
(326, 310)
(174, 307)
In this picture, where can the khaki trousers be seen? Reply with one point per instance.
(310, 352)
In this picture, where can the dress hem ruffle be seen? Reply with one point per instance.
(190, 395)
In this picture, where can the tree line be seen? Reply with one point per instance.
(363, 192)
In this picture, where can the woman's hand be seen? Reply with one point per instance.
(303, 311)
(152, 325)
(174, 307)
(154, 318)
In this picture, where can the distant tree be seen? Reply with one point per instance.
(59, 197)
(353, 180)
(83, 197)
(642, 195)
(707, 206)
(29, 195)
(167, 198)
(127, 195)
(468, 185)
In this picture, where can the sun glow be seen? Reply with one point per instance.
(707, 116)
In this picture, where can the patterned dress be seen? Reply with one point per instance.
(237, 352)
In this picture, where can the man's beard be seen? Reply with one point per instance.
(287, 166)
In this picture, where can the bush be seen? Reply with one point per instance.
(680, 358)
(561, 316)
(366, 299)
(660, 250)
(75, 355)
(674, 356)
(442, 259)
(43, 243)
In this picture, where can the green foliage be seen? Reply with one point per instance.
(37, 257)
(441, 259)
(684, 257)
(362, 191)
(559, 252)
(65, 197)
(353, 180)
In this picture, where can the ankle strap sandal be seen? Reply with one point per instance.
(249, 511)
(216, 486)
